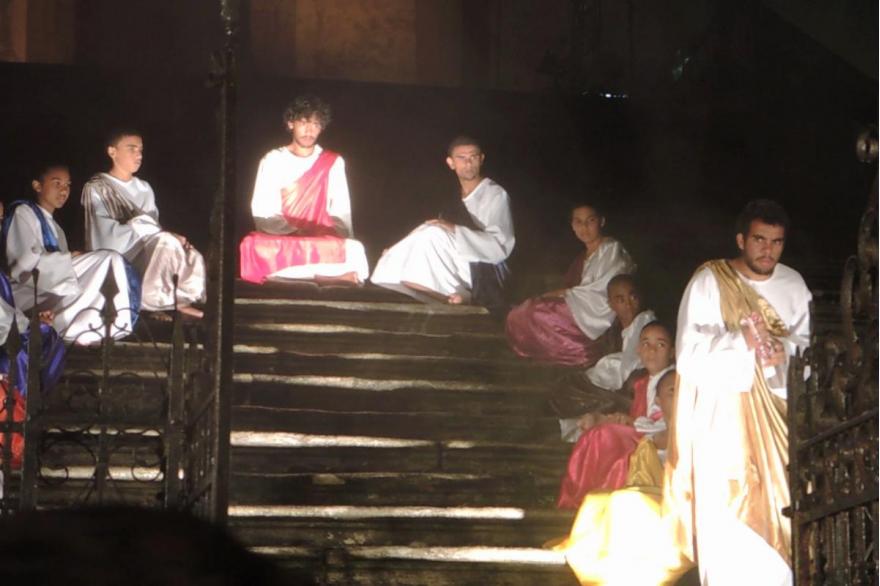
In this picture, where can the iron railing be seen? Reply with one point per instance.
(833, 423)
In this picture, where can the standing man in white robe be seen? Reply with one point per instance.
(739, 323)
(121, 215)
(302, 209)
(68, 289)
(434, 259)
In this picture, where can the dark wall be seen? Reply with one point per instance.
(758, 109)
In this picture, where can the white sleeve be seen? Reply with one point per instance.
(588, 301)
(25, 252)
(706, 352)
(338, 197)
(494, 243)
(108, 233)
(266, 199)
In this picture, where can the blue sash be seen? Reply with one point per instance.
(50, 243)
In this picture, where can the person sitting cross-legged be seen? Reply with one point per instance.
(302, 210)
(563, 326)
(69, 288)
(600, 457)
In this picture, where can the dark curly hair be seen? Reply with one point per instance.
(306, 107)
(766, 210)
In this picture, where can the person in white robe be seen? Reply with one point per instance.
(69, 284)
(121, 215)
(434, 260)
(563, 326)
(279, 178)
(739, 323)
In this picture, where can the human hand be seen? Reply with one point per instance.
(553, 294)
(620, 418)
(446, 225)
(587, 421)
(47, 317)
(183, 241)
(772, 353)
(754, 330)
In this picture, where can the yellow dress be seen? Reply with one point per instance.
(619, 537)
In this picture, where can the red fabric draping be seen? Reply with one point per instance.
(600, 458)
(305, 208)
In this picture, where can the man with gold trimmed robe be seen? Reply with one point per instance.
(301, 208)
(739, 323)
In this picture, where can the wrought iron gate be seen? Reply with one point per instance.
(833, 423)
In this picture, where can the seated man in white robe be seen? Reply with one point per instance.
(435, 258)
(68, 290)
(302, 210)
(121, 215)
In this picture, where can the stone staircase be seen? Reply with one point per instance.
(375, 440)
(381, 441)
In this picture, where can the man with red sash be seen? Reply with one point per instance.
(739, 323)
(301, 208)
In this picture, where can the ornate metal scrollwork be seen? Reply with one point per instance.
(833, 424)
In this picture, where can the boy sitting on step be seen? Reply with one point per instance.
(600, 458)
(596, 389)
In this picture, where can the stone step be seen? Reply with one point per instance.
(408, 526)
(390, 366)
(395, 489)
(286, 453)
(410, 400)
(423, 566)
(428, 426)
(394, 317)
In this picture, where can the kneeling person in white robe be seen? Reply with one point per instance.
(435, 258)
(121, 215)
(69, 284)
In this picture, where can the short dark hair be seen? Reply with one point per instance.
(670, 372)
(765, 210)
(584, 204)
(39, 171)
(306, 106)
(462, 140)
(659, 324)
(623, 278)
(115, 135)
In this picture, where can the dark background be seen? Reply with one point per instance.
(749, 107)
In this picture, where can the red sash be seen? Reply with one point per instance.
(304, 207)
(639, 407)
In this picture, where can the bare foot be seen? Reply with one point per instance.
(349, 279)
(429, 292)
(455, 299)
(190, 311)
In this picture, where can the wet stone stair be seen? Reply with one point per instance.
(381, 441)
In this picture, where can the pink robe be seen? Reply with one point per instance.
(305, 208)
(600, 458)
(543, 328)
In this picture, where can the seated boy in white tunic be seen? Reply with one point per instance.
(302, 210)
(435, 258)
(121, 215)
(68, 287)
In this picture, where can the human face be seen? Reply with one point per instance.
(305, 131)
(655, 348)
(666, 395)
(465, 160)
(761, 248)
(624, 301)
(587, 225)
(52, 189)
(127, 155)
